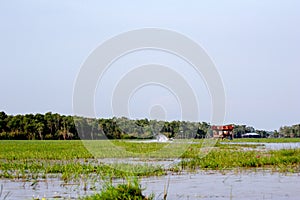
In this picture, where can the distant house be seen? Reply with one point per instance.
(223, 131)
(251, 135)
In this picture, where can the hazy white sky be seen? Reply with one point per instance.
(255, 46)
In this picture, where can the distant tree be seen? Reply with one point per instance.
(262, 133)
(276, 134)
(39, 126)
(239, 130)
(3, 117)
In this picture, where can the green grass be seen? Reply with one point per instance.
(126, 191)
(71, 159)
(135, 149)
(46, 149)
(281, 160)
(70, 150)
(74, 171)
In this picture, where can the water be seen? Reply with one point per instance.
(278, 146)
(165, 163)
(215, 185)
(269, 146)
(201, 185)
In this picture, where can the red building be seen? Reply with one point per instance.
(223, 131)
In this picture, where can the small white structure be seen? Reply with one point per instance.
(251, 135)
(161, 138)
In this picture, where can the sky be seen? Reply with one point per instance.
(255, 46)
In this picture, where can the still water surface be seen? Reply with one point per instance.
(201, 185)
(269, 146)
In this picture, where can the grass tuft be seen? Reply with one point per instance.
(129, 191)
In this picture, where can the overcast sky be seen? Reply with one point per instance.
(255, 46)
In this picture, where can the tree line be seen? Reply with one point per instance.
(53, 126)
(288, 131)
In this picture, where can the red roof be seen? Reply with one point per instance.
(223, 128)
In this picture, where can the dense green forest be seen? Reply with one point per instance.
(53, 126)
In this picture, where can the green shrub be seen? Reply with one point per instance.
(129, 191)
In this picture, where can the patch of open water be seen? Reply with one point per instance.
(201, 185)
(239, 186)
(268, 146)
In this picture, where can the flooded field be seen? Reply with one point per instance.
(200, 185)
(235, 170)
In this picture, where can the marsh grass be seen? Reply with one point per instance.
(71, 160)
(126, 191)
(280, 160)
(46, 149)
(74, 171)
